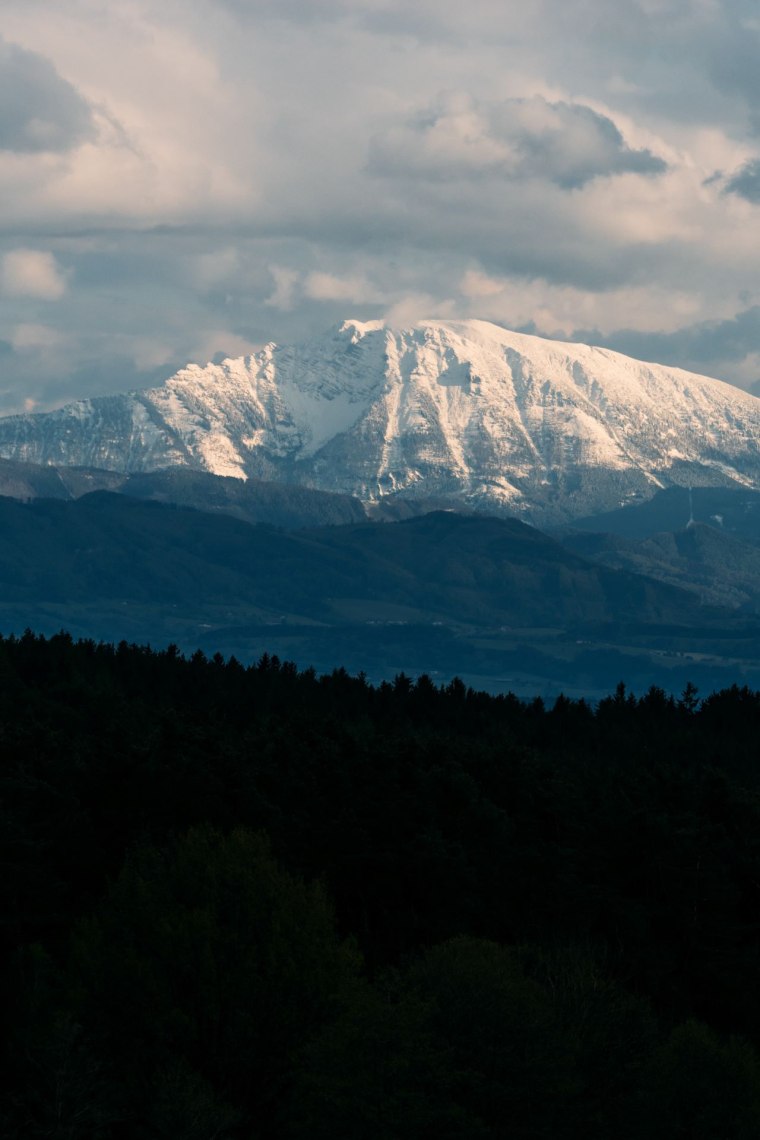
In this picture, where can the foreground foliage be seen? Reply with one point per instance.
(258, 903)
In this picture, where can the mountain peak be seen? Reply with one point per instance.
(462, 410)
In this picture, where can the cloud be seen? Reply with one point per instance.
(285, 284)
(39, 110)
(419, 307)
(566, 143)
(746, 181)
(732, 58)
(38, 339)
(32, 273)
(217, 268)
(355, 290)
(225, 172)
(709, 346)
(215, 344)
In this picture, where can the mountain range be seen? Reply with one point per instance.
(251, 500)
(461, 412)
(447, 593)
(719, 568)
(732, 510)
(394, 471)
(443, 566)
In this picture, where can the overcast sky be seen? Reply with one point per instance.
(195, 177)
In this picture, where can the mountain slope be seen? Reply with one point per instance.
(733, 510)
(252, 500)
(463, 410)
(718, 567)
(443, 566)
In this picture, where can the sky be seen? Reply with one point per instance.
(191, 179)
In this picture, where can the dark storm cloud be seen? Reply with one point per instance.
(39, 110)
(568, 144)
(578, 144)
(701, 345)
(573, 260)
(746, 181)
(732, 59)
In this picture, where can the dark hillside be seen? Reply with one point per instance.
(490, 570)
(718, 567)
(735, 510)
(253, 500)
(455, 567)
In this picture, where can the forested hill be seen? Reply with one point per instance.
(253, 902)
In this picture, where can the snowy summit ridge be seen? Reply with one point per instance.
(463, 410)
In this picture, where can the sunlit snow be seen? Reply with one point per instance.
(461, 409)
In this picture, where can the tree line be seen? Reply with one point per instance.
(257, 902)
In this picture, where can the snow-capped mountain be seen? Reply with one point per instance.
(460, 410)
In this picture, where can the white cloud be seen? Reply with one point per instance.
(38, 339)
(356, 290)
(215, 342)
(561, 309)
(285, 284)
(32, 273)
(419, 307)
(217, 268)
(568, 143)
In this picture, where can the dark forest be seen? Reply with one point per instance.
(255, 902)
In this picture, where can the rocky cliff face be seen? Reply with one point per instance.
(457, 410)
